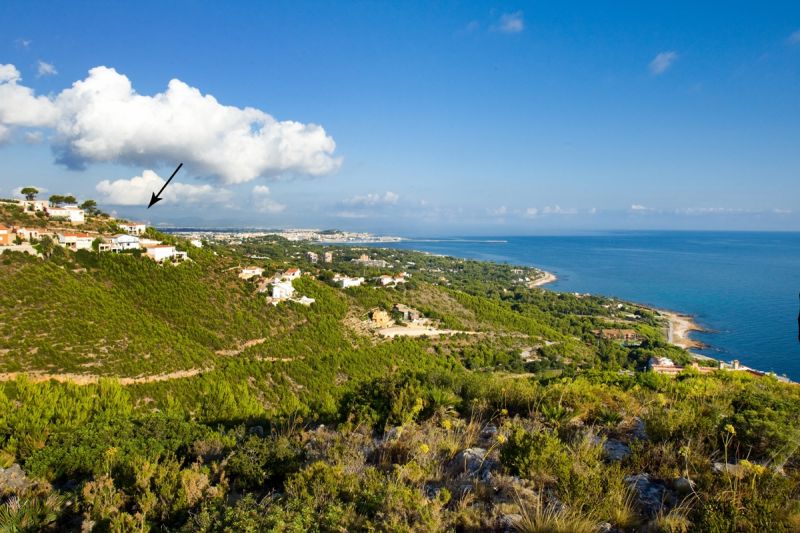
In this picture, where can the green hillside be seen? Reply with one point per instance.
(137, 396)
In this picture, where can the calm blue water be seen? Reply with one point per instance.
(742, 286)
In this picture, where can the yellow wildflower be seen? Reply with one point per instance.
(424, 448)
(501, 439)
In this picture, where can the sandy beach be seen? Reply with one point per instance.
(548, 277)
(679, 328)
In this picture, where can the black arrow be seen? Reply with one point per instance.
(157, 197)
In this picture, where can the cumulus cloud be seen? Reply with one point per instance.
(373, 199)
(499, 211)
(103, 119)
(794, 38)
(511, 23)
(263, 202)
(662, 62)
(46, 69)
(640, 208)
(137, 191)
(19, 106)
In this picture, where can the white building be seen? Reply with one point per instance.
(312, 257)
(282, 290)
(305, 300)
(327, 257)
(73, 213)
(197, 243)
(28, 233)
(124, 242)
(161, 252)
(76, 241)
(134, 228)
(34, 205)
(290, 274)
(251, 271)
(346, 281)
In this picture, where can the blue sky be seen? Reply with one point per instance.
(447, 118)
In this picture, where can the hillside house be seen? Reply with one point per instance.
(312, 257)
(365, 260)
(251, 272)
(386, 280)
(72, 213)
(327, 257)
(282, 290)
(76, 241)
(291, 274)
(406, 313)
(197, 243)
(665, 365)
(5, 236)
(122, 242)
(28, 234)
(161, 252)
(133, 228)
(346, 281)
(305, 300)
(34, 205)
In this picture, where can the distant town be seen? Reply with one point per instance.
(234, 236)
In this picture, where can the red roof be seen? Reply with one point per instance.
(77, 235)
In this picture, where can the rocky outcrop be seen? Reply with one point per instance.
(652, 495)
(13, 480)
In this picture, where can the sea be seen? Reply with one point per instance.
(741, 287)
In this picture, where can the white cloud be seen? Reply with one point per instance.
(372, 199)
(262, 201)
(103, 119)
(498, 212)
(511, 23)
(640, 208)
(137, 191)
(19, 106)
(23, 43)
(531, 212)
(46, 69)
(662, 62)
(794, 38)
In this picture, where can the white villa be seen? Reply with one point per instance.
(250, 272)
(161, 252)
(34, 205)
(28, 233)
(120, 242)
(392, 280)
(73, 213)
(312, 257)
(346, 281)
(282, 290)
(133, 228)
(288, 275)
(197, 243)
(76, 241)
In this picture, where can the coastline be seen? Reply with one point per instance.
(548, 277)
(678, 328)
